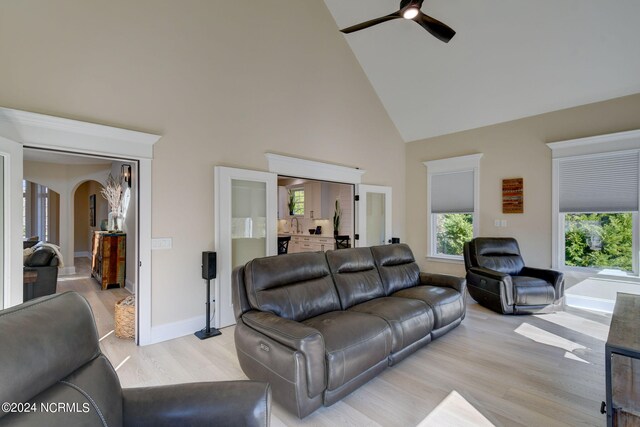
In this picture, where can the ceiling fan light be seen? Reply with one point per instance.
(410, 13)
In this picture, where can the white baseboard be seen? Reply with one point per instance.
(130, 286)
(169, 331)
(83, 254)
(590, 303)
(66, 271)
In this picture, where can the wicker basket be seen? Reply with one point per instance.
(125, 313)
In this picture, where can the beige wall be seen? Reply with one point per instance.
(512, 149)
(83, 232)
(222, 82)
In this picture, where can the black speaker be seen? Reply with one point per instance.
(208, 265)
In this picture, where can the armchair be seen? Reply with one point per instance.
(498, 279)
(45, 262)
(54, 372)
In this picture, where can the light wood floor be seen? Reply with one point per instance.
(545, 370)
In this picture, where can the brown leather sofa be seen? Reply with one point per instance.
(498, 279)
(316, 326)
(52, 373)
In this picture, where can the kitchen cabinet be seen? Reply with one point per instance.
(283, 202)
(310, 243)
(319, 200)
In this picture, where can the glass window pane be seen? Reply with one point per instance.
(599, 240)
(452, 231)
(248, 223)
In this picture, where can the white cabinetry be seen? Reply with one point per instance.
(304, 243)
(319, 200)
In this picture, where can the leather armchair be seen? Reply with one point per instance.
(45, 262)
(498, 279)
(51, 366)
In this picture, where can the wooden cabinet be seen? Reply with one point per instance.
(622, 363)
(109, 258)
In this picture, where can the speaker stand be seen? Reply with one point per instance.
(208, 331)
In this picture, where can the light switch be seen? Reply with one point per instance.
(497, 223)
(161, 243)
(503, 223)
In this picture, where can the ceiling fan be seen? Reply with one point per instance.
(410, 9)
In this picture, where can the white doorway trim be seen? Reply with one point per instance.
(224, 177)
(361, 213)
(310, 169)
(55, 133)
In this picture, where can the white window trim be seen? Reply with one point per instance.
(453, 164)
(589, 146)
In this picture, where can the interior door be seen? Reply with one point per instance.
(246, 218)
(10, 223)
(373, 212)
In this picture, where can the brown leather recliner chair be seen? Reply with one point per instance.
(52, 373)
(498, 279)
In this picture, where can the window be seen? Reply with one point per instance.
(297, 198)
(452, 204)
(595, 202)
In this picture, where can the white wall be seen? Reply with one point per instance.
(222, 82)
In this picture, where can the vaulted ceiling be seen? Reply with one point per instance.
(508, 60)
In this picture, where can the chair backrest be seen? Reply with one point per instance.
(342, 242)
(355, 275)
(293, 286)
(496, 253)
(50, 353)
(283, 244)
(397, 267)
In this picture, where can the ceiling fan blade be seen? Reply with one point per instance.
(436, 28)
(363, 25)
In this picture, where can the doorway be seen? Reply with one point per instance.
(19, 129)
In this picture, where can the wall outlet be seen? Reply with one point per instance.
(161, 243)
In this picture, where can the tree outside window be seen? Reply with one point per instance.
(599, 240)
(452, 231)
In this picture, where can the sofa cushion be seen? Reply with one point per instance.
(40, 258)
(355, 275)
(293, 286)
(397, 267)
(447, 304)
(532, 291)
(354, 342)
(410, 319)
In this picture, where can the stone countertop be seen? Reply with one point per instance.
(318, 236)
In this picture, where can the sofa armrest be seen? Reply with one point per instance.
(226, 403)
(556, 278)
(444, 280)
(297, 336)
(492, 274)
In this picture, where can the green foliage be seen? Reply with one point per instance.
(453, 230)
(599, 240)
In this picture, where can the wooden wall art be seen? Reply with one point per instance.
(513, 196)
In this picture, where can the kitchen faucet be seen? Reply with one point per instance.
(297, 224)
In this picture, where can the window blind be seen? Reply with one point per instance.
(606, 183)
(452, 192)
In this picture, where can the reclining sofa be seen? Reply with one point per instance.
(53, 373)
(316, 326)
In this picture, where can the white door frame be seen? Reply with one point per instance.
(59, 134)
(223, 176)
(361, 212)
(12, 256)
